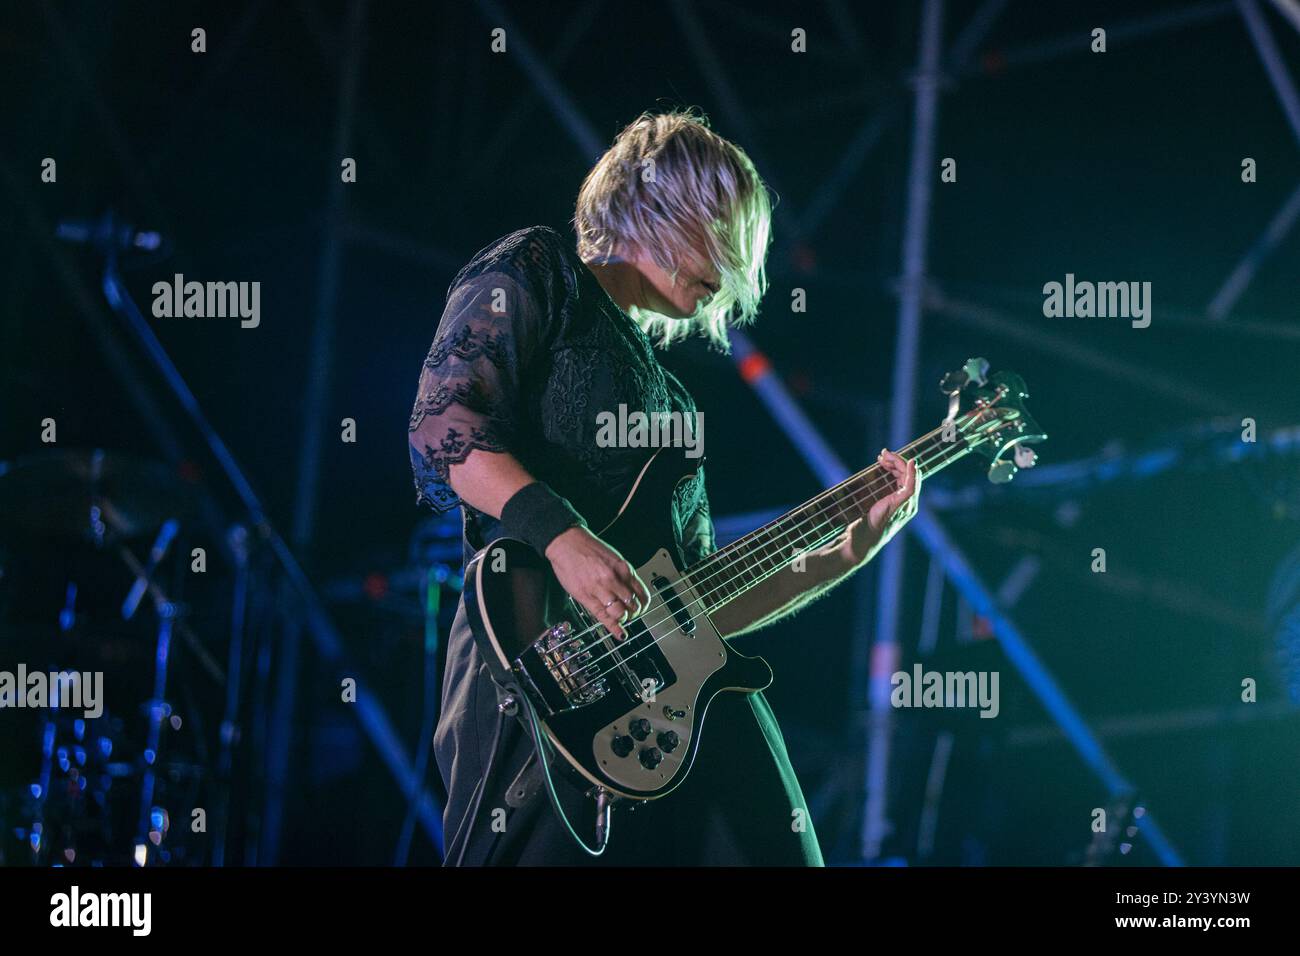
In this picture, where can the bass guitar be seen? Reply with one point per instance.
(627, 715)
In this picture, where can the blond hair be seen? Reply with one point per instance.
(668, 184)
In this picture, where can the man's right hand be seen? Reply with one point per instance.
(598, 578)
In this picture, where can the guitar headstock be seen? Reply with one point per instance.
(998, 426)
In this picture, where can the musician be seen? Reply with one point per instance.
(538, 337)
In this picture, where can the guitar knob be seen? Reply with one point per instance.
(668, 741)
(639, 728)
(622, 745)
(651, 757)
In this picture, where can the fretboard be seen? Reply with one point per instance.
(750, 560)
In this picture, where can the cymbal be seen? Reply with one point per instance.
(54, 491)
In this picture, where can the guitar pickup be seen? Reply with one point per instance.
(668, 594)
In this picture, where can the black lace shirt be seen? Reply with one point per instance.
(529, 351)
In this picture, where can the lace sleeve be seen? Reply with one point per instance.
(469, 386)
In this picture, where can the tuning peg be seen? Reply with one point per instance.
(975, 370)
(1026, 457)
(1002, 471)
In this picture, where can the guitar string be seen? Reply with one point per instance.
(719, 557)
(620, 647)
(706, 569)
(855, 498)
(701, 600)
(627, 651)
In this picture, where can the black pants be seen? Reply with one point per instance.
(739, 806)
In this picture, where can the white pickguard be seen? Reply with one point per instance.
(694, 658)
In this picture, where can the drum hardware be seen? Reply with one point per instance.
(71, 814)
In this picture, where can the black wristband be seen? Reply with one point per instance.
(537, 516)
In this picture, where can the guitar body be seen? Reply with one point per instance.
(625, 715)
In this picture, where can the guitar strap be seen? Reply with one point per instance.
(529, 780)
(527, 783)
(534, 775)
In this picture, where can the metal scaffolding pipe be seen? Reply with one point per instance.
(1284, 219)
(869, 134)
(1060, 347)
(757, 372)
(369, 713)
(561, 103)
(282, 723)
(1050, 694)
(885, 651)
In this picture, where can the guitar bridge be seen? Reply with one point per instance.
(571, 662)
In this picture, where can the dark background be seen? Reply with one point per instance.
(1117, 166)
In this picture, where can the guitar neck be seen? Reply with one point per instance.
(748, 561)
